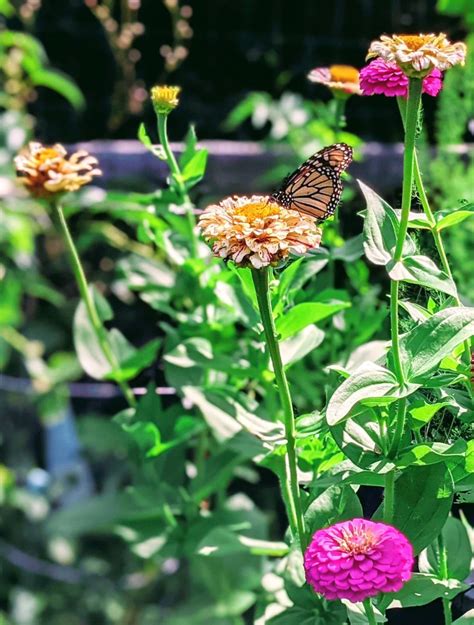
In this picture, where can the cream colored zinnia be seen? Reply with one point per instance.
(417, 55)
(47, 171)
(343, 80)
(256, 231)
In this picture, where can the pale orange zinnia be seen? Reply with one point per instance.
(343, 80)
(47, 171)
(418, 55)
(256, 231)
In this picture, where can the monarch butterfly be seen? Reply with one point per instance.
(315, 187)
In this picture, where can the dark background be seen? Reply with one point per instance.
(237, 47)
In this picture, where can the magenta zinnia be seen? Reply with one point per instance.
(256, 231)
(382, 78)
(358, 559)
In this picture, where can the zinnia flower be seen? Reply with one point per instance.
(165, 98)
(256, 231)
(358, 559)
(343, 80)
(382, 78)
(46, 171)
(417, 55)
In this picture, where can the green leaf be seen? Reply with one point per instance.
(137, 360)
(369, 385)
(302, 315)
(423, 589)
(195, 168)
(60, 83)
(357, 616)
(421, 412)
(359, 438)
(190, 143)
(458, 548)
(422, 270)
(423, 500)
(223, 542)
(423, 348)
(156, 149)
(446, 219)
(333, 505)
(380, 229)
(432, 453)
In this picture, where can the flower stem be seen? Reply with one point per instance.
(443, 574)
(438, 241)
(178, 179)
(389, 497)
(411, 119)
(369, 612)
(88, 300)
(290, 488)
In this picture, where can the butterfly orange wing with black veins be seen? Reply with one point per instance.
(315, 187)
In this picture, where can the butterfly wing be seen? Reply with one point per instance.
(315, 188)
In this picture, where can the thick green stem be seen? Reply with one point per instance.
(178, 179)
(444, 574)
(369, 612)
(291, 488)
(411, 119)
(438, 241)
(389, 497)
(88, 300)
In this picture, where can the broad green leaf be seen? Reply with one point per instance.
(423, 348)
(333, 505)
(359, 438)
(302, 315)
(423, 589)
(423, 499)
(458, 548)
(422, 270)
(137, 360)
(298, 346)
(432, 453)
(369, 385)
(357, 615)
(446, 219)
(466, 619)
(190, 143)
(380, 229)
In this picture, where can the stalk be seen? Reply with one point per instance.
(290, 487)
(389, 497)
(89, 303)
(436, 234)
(369, 612)
(411, 119)
(443, 574)
(178, 178)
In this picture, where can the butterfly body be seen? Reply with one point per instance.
(315, 188)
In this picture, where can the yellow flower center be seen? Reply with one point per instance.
(415, 42)
(258, 210)
(357, 543)
(344, 73)
(47, 154)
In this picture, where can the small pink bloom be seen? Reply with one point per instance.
(382, 78)
(358, 559)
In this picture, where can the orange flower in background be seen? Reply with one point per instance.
(256, 231)
(343, 80)
(418, 55)
(47, 171)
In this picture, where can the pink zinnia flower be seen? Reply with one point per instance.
(358, 559)
(382, 78)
